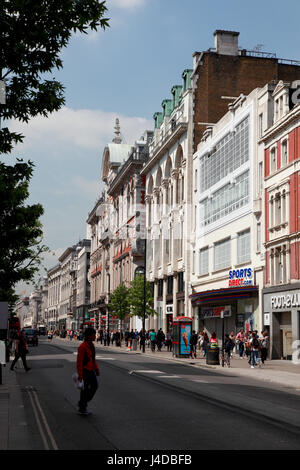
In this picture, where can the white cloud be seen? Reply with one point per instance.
(126, 3)
(89, 187)
(80, 129)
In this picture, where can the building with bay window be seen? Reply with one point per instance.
(281, 294)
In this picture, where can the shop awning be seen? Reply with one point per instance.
(233, 293)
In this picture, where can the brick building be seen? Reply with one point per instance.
(282, 221)
(219, 76)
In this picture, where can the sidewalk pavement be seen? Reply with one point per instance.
(279, 372)
(14, 433)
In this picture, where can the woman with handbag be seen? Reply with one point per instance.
(21, 351)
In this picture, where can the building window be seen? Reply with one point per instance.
(278, 264)
(260, 125)
(273, 156)
(160, 289)
(226, 200)
(258, 237)
(203, 261)
(284, 153)
(170, 285)
(243, 247)
(278, 209)
(230, 153)
(180, 282)
(271, 211)
(222, 254)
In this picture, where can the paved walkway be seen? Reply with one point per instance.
(280, 372)
(14, 433)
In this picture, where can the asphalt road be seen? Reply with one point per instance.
(145, 403)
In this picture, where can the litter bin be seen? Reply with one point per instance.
(134, 345)
(212, 356)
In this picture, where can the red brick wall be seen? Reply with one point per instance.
(221, 75)
(295, 260)
(278, 155)
(266, 216)
(267, 162)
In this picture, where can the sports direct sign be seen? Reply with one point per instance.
(241, 277)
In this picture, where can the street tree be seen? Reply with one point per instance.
(32, 36)
(140, 298)
(119, 305)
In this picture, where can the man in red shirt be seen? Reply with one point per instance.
(21, 351)
(87, 370)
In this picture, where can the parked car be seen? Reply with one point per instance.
(31, 337)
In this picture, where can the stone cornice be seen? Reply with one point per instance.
(280, 125)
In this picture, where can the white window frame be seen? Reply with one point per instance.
(244, 251)
(273, 162)
(203, 261)
(223, 247)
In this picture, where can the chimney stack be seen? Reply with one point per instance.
(226, 42)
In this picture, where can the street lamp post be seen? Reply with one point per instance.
(144, 317)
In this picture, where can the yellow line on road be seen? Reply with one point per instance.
(38, 421)
(40, 416)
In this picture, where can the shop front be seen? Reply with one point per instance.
(282, 319)
(237, 307)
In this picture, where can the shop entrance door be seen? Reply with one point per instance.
(286, 342)
(286, 335)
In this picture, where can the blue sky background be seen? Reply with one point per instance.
(126, 72)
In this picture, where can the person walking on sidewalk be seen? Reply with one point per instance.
(240, 338)
(142, 337)
(213, 341)
(255, 347)
(169, 341)
(87, 369)
(204, 344)
(21, 351)
(193, 344)
(152, 336)
(264, 341)
(160, 338)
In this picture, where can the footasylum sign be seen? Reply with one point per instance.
(285, 301)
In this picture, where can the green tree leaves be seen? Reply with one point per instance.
(136, 295)
(32, 36)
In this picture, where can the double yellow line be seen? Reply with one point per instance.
(43, 426)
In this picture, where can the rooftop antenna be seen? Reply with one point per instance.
(258, 47)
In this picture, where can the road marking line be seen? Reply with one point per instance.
(38, 421)
(169, 377)
(45, 422)
(147, 372)
(106, 358)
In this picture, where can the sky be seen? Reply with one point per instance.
(127, 71)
